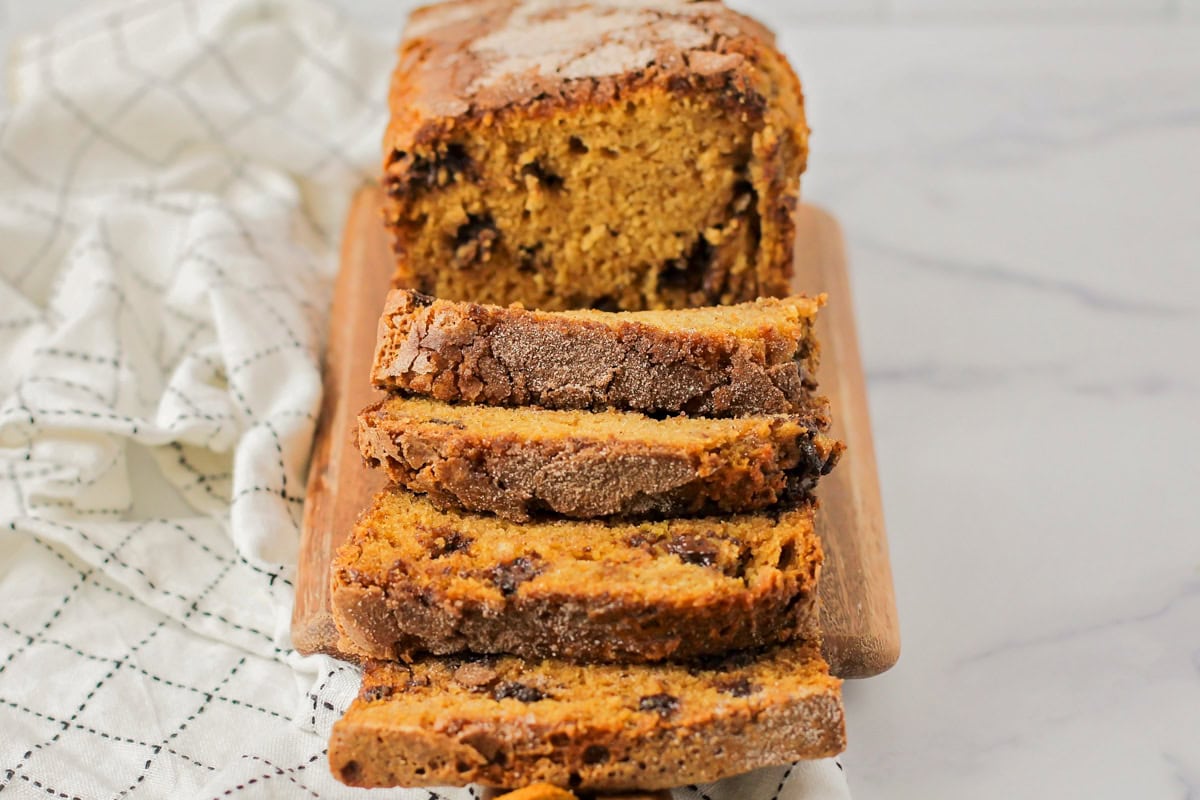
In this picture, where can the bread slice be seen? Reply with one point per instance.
(503, 721)
(413, 578)
(751, 358)
(517, 462)
(606, 153)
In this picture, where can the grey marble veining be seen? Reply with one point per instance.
(1022, 209)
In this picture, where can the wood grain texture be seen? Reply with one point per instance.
(859, 612)
(339, 484)
(858, 606)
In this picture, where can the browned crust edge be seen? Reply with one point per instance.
(585, 477)
(461, 351)
(387, 616)
(368, 754)
(388, 622)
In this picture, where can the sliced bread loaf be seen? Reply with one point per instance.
(414, 578)
(751, 358)
(517, 462)
(504, 721)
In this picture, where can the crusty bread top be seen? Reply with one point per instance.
(471, 57)
(502, 428)
(750, 358)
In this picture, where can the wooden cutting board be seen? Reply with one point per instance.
(862, 636)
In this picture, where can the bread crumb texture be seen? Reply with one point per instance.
(522, 462)
(604, 154)
(757, 357)
(414, 578)
(506, 721)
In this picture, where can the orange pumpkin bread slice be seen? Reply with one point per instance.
(753, 358)
(517, 462)
(504, 721)
(414, 578)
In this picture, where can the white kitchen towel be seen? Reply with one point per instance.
(173, 175)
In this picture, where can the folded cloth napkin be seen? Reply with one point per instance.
(173, 175)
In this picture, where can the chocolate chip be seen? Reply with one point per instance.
(421, 174)
(425, 172)
(542, 175)
(831, 460)
(420, 300)
(693, 549)
(595, 754)
(737, 97)
(529, 257)
(510, 575)
(664, 704)
(688, 273)
(474, 240)
(743, 195)
(350, 772)
(456, 160)
(373, 693)
(700, 550)
(787, 556)
(738, 687)
(447, 541)
(810, 458)
(518, 691)
(798, 489)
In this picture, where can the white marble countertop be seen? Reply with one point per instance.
(1022, 206)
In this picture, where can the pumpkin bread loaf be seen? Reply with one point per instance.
(592, 154)
(504, 721)
(517, 462)
(412, 579)
(751, 358)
